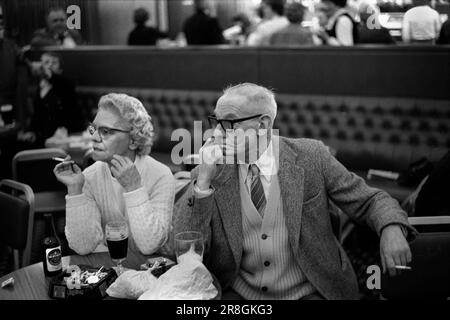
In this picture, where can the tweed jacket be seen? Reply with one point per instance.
(309, 176)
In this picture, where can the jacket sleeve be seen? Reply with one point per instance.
(363, 204)
(194, 214)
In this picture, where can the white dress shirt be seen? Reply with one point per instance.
(421, 23)
(266, 165)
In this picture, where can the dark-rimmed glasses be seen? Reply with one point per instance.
(104, 132)
(228, 124)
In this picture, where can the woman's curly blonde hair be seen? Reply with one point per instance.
(133, 112)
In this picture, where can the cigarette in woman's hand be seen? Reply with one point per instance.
(403, 268)
(62, 160)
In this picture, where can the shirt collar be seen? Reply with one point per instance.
(265, 163)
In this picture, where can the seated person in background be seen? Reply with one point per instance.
(201, 28)
(143, 35)
(266, 220)
(320, 21)
(10, 56)
(370, 29)
(431, 197)
(444, 34)
(10, 60)
(341, 28)
(294, 33)
(56, 33)
(124, 183)
(273, 21)
(239, 32)
(421, 24)
(55, 102)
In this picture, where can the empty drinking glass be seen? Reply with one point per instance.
(190, 242)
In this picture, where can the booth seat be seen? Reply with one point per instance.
(367, 133)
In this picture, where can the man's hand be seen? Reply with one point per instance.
(124, 170)
(210, 154)
(394, 249)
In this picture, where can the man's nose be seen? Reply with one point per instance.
(96, 137)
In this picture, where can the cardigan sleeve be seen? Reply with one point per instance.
(150, 213)
(83, 222)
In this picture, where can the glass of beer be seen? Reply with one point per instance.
(116, 233)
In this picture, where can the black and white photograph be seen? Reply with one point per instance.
(237, 153)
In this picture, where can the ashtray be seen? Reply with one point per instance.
(158, 265)
(82, 282)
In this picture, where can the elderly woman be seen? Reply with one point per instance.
(124, 183)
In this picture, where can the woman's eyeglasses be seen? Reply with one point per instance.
(227, 124)
(104, 132)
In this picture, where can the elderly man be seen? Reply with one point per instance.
(56, 32)
(266, 222)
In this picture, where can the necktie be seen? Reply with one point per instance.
(257, 190)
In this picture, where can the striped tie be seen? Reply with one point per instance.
(257, 190)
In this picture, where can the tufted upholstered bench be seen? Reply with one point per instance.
(367, 133)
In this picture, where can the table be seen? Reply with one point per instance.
(31, 284)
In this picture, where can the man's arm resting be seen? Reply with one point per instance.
(360, 202)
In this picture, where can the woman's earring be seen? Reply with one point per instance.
(132, 146)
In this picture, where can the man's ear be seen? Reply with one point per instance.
(265, 122)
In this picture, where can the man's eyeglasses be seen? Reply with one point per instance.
(104, 132)
(228, 124)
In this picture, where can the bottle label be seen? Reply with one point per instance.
(53, 256)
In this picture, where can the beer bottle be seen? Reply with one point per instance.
(51, 249)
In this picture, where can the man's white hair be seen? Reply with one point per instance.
(257, 98)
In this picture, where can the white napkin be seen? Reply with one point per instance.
(131, 284)
(188, 280)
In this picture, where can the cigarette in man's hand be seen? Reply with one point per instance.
(62, 160)
(403, 268)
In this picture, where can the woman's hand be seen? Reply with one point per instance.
(124, 170)
(70, 174)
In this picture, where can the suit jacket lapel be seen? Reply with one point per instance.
(229, 203)
(291, 178)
